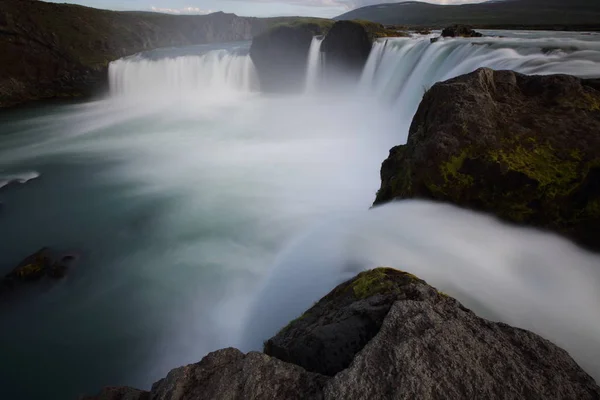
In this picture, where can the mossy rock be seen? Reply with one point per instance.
(524, 148)
(326, 338)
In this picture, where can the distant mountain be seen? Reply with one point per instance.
(553, 14)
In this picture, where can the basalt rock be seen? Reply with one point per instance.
(280, 55)
(524, 148)
(347, 47)
(384, 334)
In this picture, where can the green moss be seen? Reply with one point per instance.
(593, 103)
(443, 294)
(556, 176)
(369, 283)
(30, 271)
(376, 281)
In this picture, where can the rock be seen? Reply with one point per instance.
(437, 349)
(346, 48)
(460, 31)
(62, 265)
(120, 393)
(326, 338)
(32, 268)
(37, 266)
(280, 55)
(524, 148)
(230, 374)
(412, 342)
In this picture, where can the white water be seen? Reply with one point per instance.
(22, 177)
(314, 65)
(218, 70)
(210, 214)
(402, 69)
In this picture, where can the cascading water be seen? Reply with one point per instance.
(402, 69)
(209, 215)
(315, 64)
(214, 72)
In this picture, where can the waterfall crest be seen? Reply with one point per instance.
(215, 71)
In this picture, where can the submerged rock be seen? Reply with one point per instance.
(384, 334)
(525, 148)
(41, 264)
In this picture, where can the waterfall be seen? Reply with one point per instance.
(314, 65)
(400, 70)
(212, 72)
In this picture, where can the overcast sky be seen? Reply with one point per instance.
(318, 8)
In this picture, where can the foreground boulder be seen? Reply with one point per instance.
(524, 148)
(411, 342)
(281, 55)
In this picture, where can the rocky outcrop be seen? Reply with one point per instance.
(281, 55)
(460, 31)
(347, 47)
(411, 342)
(63, 50)
(41, 264)
(326, 338)
(524, 148)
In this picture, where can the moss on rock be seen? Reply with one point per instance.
(525, 148)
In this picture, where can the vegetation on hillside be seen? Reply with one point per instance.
(508, 14)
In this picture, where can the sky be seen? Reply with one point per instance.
(258, 8)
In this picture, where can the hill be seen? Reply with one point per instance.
(538, 14)
(63, 50)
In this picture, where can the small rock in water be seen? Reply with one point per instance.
(37, 266)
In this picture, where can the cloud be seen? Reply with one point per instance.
(179, 11)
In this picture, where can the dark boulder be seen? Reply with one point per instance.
(41, 264)
(524, 148)
(411, 342)
(346, 48)
(460, 31)
(280, 55)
